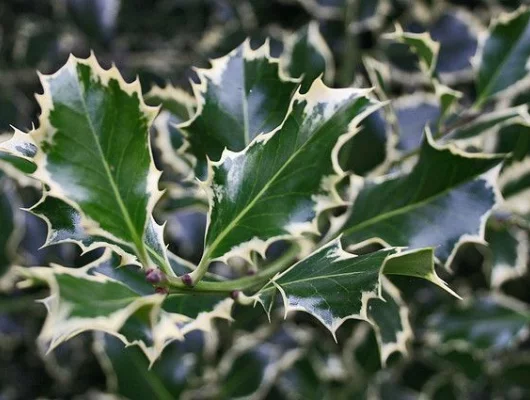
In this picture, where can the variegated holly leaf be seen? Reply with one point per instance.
(487, 323)
(88, 298)
(390, 318)
(250, 368)
(422, 45)
(514, 183)
(503, 56)
(128, 373)
(447, 97)
(420, 208)
(18, 151)
(307, 55)
(276, 187)
(64, 224)
(334, 286)
(509, 251)
(242, 95)
(487, 122)
(92, 151)
(373, 141)
(11, 230)
(177, 106)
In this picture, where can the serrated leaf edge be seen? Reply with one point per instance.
(39, 134)
(504, 18)
(405, 336)
(163, 325)
(376, 293)
(490, 178)
(332, 199)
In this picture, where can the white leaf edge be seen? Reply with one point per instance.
(58, 327)
(319, 45)
(375, 293)
(405, 336)
(400, 36)
(317, 93)
(213, 75)
(504, 18)
(179, 160)
(502, 273)
(489, 177)
(37, 135)
(272, 371)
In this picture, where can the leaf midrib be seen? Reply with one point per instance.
(485, 93)
(243, 212)
(130, 226)
(402, 210)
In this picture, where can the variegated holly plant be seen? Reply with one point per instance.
(300, 215)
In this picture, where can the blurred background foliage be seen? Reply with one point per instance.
(160, 40)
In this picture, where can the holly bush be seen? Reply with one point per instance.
(335, 205)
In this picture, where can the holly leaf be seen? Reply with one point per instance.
(509, 250)
(422, 45)
(129, 373)
(307, 55)
(334, 286)
(18, 151)
(88, 298)
(390, 318)
(92, 151)
(486, 323)
(276, 187)
(241, 96)
(514, 183)
(250, 368)
(418, 208)
(483, 124)
(502, 60)
(177, 107)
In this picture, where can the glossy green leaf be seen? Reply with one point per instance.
(242, 95)
(276, 187)
(90, 298)
(64, 224)
(419, 208)
(308, 56)
(504, 56)
(334, 286)
(92, 150)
